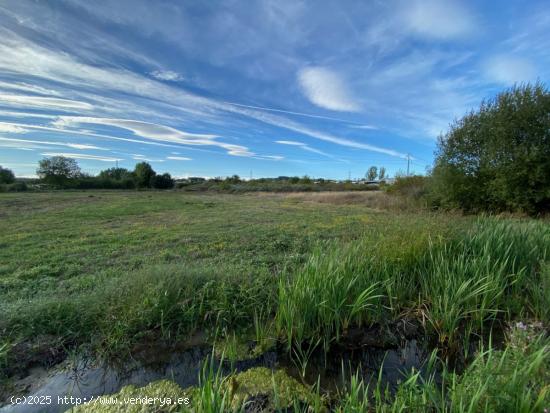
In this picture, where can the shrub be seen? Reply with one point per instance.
(163, 181)
(17, 187)
(497, 158)
(6, 176)
(414, 186)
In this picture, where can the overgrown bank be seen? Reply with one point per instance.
(315, 271)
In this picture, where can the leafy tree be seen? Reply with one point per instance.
(117, 174)
(382, 173)
(163, 181)
(372, 173)
(235, 179)
(58, 170)
(144, 174)
(6, 176)
(498, 157)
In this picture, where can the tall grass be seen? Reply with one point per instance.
(332, 291)
(515, 379)
(488, 273)
(497, 270)
(163, 302)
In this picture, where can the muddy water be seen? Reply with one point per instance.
(334, 371)
(85, 379)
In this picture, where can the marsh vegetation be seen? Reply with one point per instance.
(112, 275)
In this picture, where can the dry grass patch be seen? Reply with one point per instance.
(372, 199)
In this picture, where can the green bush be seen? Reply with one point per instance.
(17, 187)
(414, 186)
(6, 176)
(498, 157)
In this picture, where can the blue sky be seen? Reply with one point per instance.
(275, 87)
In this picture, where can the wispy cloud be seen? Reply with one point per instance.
(83, 156)
(508, 69)
(145, 158)
(439, 19)
(27, 87)
(167, 75)
(303, 146)
(156, 132)
(368, 127)
(178, 158)
(326, 89)
(52, 143)
(44, 102)
(8, 128)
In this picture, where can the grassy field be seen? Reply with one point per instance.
(109, 271)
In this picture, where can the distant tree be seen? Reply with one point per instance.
(498, 157)
(305, 180)
(144, 174)
(382, 173)
(235, 179)
(372, 173)
(117, 174)
(163, 181)
(294, 180)
(58, 170)
(6, 176)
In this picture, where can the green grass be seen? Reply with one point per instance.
(109, 271)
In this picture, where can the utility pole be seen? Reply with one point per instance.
(408, 163)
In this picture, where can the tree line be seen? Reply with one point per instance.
(64, 173)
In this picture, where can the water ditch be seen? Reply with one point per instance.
(83, 378)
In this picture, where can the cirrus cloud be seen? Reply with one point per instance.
(326, 89)
(167, 75)
(83, 156)
(507, 69)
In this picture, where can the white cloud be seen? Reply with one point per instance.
(326, 89)
(8, 128)
(508, 70)
(368, 127)
(83, 156)
(144, 158)
(289, 112)
(156, 132)
(178, 158)
(83, 146)
(40, 144)
(439, 19)
(27, 87)
(303, 146)
(21, 57)
(44, 102)
(167, 75)
(294, 143)
(324, 136)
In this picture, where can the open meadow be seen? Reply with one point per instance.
(119, 276)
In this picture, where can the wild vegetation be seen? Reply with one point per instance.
(133, 267)
(498, 157)
(307, 275)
